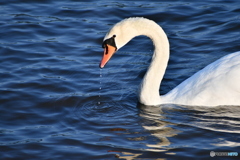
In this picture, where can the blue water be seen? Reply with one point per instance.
(56, 103)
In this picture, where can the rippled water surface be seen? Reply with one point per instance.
(56, 103)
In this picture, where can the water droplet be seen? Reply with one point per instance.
(100, 86)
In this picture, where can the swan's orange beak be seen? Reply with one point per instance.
(108, 53)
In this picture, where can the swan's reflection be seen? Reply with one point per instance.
(167, 122)
(180, 128)
(155, 122)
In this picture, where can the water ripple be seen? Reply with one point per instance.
(100, 111)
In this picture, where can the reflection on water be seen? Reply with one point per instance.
(174, 127)
(156, 123)
(220, 118)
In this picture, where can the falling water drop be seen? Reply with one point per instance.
(100, 85)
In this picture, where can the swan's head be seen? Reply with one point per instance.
(118, 36)
(110, 48)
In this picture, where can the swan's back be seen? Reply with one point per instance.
(216, 84)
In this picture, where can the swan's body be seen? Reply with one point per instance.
(216, 84)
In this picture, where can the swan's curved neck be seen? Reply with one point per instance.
(129, 28)
(149, 89)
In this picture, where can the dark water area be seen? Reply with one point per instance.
(56, 103)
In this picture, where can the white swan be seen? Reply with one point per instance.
(216, 84)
